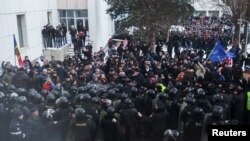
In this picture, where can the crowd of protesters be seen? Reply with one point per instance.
(57, 37)
(138, 93)
(54, 37)
(201, 33)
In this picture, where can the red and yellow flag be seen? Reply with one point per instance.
(17, 53)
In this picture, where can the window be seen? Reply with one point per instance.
(87, 24)
(73, 17)
(70, 23)
(63, 21)
(62, 13)
(22, 31)
(70, 13)
(81, 13)
(49, 16)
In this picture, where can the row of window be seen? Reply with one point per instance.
(73, 13)
(74, 18)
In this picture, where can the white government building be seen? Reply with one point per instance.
(26, 19)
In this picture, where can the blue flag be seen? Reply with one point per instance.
(231, 55)
(218, 53)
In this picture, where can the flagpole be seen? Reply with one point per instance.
(14, 52)
(210, 53)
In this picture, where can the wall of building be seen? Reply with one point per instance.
(207, 7)
(36, 17)
(72, 4)
(101, 26)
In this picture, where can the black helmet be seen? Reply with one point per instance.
(51, 98)
(62, 102)
(110, 111)
(171, 135)
(102, 91)
(133, 91)
(37, 99)
(73, 90)
(92, 86)
(95, 100)
(200, 93)
(78, 99)
(21, 91)
(218, 111)
(120, 86)
(86, 98)
(80, 113)
(172, 92)
(150, 93)
(178, 84)
(116, 90)
(162, 96)
(128, 103)
(111, 94)
(190, 99)
(218, 99)
(55, 92)
(198, 113)
(123, 96)
(158, 104)
(82, 98)
(66, 94)
(13, 97)
(48, 114)
(11, 88)
(107, 102)
(32, 92)
(26, 111)
(93, 92)
(81, 89)
(44, 92)
(22, 100)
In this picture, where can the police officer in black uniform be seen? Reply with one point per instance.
(194, 125)
(35, 128)
(160, 120)
(111, 126)
(217, 117)
(17, 128)
(202, 101)
(83, 128)
(129, 120)
(4, 122)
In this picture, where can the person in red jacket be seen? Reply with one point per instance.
(48, 85)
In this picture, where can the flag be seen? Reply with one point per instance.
(231, 55)
(218, 53)
(17, 53)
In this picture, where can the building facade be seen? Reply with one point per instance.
(26, 19)
(210, 7)
(92, 14)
